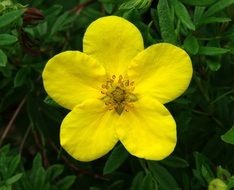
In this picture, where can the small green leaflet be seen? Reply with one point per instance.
(212, 51)
(191, 45)
(116, 159)
(10, 17)
(213, 20)
(220, 5)
(183, 14)
(198, 2)
(228, 137)
(3, 59)
(166, 22)
(7, 39)
(162, 176)
(135, 4)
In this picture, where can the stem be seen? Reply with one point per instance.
(143, 164)
(219, 123)
(40, 145)
(9, 125)
(24, 139)
(81, 6)
(200, 112)
(222, 96)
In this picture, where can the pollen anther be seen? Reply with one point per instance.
(118, 94)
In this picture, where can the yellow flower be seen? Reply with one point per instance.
(116, 91)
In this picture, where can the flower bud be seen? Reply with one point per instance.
(32, 16)
(217, 184)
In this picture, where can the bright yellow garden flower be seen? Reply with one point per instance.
(116, 90)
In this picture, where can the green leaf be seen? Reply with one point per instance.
(175, 162)
(39, 178)
(66, 182)
(7, 39)
(62, 22)
(94, 188)
(162, 176)
(116, 185)
(5, 187)
(14, 179)
(203, 168)
(21, 77)
(183, 14)
(228, 137)
(137, 181)
(206, 174)
(199, 2)
(37, 162)
(42, 28)
(53, 11)
(148, 182)
(220, 5)
(58, 25)
(5, 149)
(165, 22)
(3, 59)
(191, 45)
(108, 5)
(14, 163)
(9, 17)
(213, 20)
(230, 183)
(214, 65)
(212, 51)
(54, 171)
(48, 100)
(198, 12)
(199, 177)
(116, 159)
(135, 4)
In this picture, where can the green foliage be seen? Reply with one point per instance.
(3, 59)
(9, 165)
(13, 175)
(10, 17)
(228, 137)
(135, 4)
(116, 159)
(183, 14)
(7, 39)
(165, 22)
(162, 176)
(31, 32)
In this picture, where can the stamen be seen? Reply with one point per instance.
(118, 94)
(127, 83)
(111, 81)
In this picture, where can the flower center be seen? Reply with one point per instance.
(118, 94)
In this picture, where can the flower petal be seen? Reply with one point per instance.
(113, 41)
(71, 77)
(162, 71)
(88, 131)
(148, 130)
